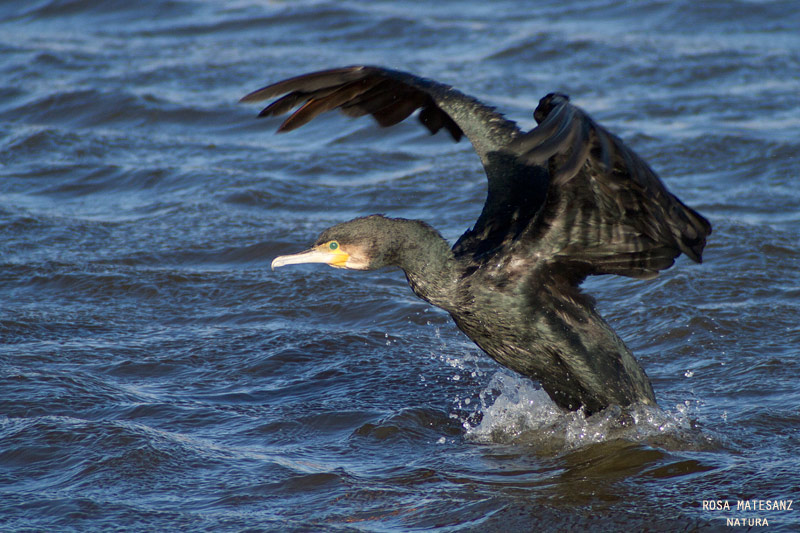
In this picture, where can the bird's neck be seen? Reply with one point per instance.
(428, 262)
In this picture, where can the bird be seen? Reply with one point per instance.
(565, 200)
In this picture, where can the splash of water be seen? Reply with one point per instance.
(513, 410)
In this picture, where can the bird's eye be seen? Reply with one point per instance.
(333, 245)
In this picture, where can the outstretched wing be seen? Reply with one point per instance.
(606, 211)
(390, 96)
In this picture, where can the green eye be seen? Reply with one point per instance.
(333, 245)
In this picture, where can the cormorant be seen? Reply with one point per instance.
(565, 200)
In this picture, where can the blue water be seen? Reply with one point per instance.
(155, 375)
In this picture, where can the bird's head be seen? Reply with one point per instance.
(359, 244)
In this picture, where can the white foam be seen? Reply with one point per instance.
(514, 410)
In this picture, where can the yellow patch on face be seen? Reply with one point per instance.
(338, 257)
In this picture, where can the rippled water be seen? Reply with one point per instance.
(156, 375)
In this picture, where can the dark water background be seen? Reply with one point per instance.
(156, 375)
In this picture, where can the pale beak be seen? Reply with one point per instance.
(314, 255)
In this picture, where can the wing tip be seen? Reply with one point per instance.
(256, 96)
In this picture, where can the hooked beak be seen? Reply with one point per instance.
(318, 254)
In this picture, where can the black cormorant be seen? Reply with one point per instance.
(565, 200)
